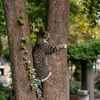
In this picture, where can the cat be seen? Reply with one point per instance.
(41, 49)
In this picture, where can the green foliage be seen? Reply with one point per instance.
(3, 30)
(6, 54)
(42, 99)
(21, 16)
(36, 82)
(91, 9)
(39, 95)
(21, 21)
(33, 43)
(74, 7)
(79, 72)
(26, 51)
(36, 10)
(26, 39)
(74, 87)
(39, 91)
(84, 51)
(22, 47)
(28, 62)
(33, 71)
(31, 76)
(28, 67)
(25, 58)
(80, 30)
(34, 86)
(83, 28)
(97, 85)
(6, 93)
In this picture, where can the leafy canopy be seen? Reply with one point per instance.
(84, 51)
(2, 20)
(92, 9)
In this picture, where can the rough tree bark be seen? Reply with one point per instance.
(21, 83)
(57, 24)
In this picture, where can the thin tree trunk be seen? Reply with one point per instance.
(21, 83)
(57, 24)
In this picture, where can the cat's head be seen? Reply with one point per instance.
(44, 34)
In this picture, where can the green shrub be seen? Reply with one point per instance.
(74, 87)
(6, 54)
(6, 93)
(97, 85)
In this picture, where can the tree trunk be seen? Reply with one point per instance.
(21, 83)
(87, 78)
(57, 24)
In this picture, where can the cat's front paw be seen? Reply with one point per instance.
(65, 46)
(62, 46)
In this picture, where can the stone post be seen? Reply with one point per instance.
(87, 78)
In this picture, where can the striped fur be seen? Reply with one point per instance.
(41, 49)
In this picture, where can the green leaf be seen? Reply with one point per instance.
(21, 21)
(39, 91)
(23, 47)
(26, 39)
(25, 58)
(29, 67)
(26, 51)
(36, 82)
(21, 16)
(28, 62)
(31, 76)
(39, 95)
(42, 99)
(33, 86)
(33, 71)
